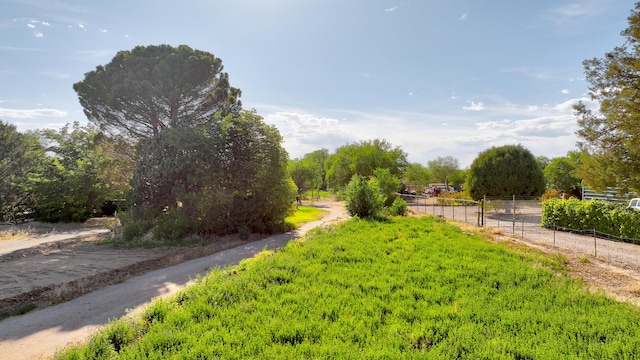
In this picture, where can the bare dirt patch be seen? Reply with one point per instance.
(58, 271)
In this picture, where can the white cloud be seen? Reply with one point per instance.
(464, 17)
(474, 106)
(31, 26)
(38, 34)
(31, 113)
(391, 9)
(546, 130)
(565, 91)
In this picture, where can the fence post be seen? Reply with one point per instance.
(595, 247)
(513, 216)
(484, 201)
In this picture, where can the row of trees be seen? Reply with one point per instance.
(169, 134)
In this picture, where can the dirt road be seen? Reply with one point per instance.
(40, 333)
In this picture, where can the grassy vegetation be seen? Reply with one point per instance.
(317, 195)
(407, 288)
(305, 214)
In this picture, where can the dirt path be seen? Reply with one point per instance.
(40, 333)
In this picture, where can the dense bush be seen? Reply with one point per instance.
(602, 216)
(505, 171)
(398, 208)
(363, 197)
(226, 176)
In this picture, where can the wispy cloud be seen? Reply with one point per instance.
(479, 106)
(576, 13)
(391, 9)
(13, 48)
(530, 71)
(31, 113)
(464, 17)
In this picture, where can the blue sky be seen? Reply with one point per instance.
(437, 78)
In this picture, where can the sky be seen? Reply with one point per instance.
(436, 78)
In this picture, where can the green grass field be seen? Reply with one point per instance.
(407, 288)
(305, 214)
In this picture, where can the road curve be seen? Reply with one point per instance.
(40, 333)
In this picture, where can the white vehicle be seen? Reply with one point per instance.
(634, 204)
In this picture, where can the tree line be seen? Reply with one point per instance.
(169, 142)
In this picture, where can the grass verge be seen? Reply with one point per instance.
(304, 214)
(409, 288)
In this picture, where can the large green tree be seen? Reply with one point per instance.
(20, 155)
(561, 174)
(611, 135)
(68, 187)
(306, 174)
(151, 88)
(417, 176)
(363, 158)
(505, 171)
(444, 168)
(226, 175)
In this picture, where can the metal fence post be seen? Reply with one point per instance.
(595, 247)
(484, 201)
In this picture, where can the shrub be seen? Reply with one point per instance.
(363, 198)
(605, 217)
(398, 208)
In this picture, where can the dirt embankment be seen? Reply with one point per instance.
(59, 271)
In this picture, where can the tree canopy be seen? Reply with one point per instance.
(444, 168)
(148, 89)
(505, 171)
(227, 175)
(69, 185)
(561, 174)
(20, 155)
(363, 158)
(611, 135)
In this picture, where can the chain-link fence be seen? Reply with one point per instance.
(522, 217)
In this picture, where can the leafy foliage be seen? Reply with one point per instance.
(611, 135)
(602, 216)
(306, 174)
(417, 175)
(20, 155)
(444, 169)
(68, 187)
(224, 176)
(363, 158)
(560, 174)
(389, 185)
(148, 89)
(364, 198)
(505, 171)
(409, 288)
